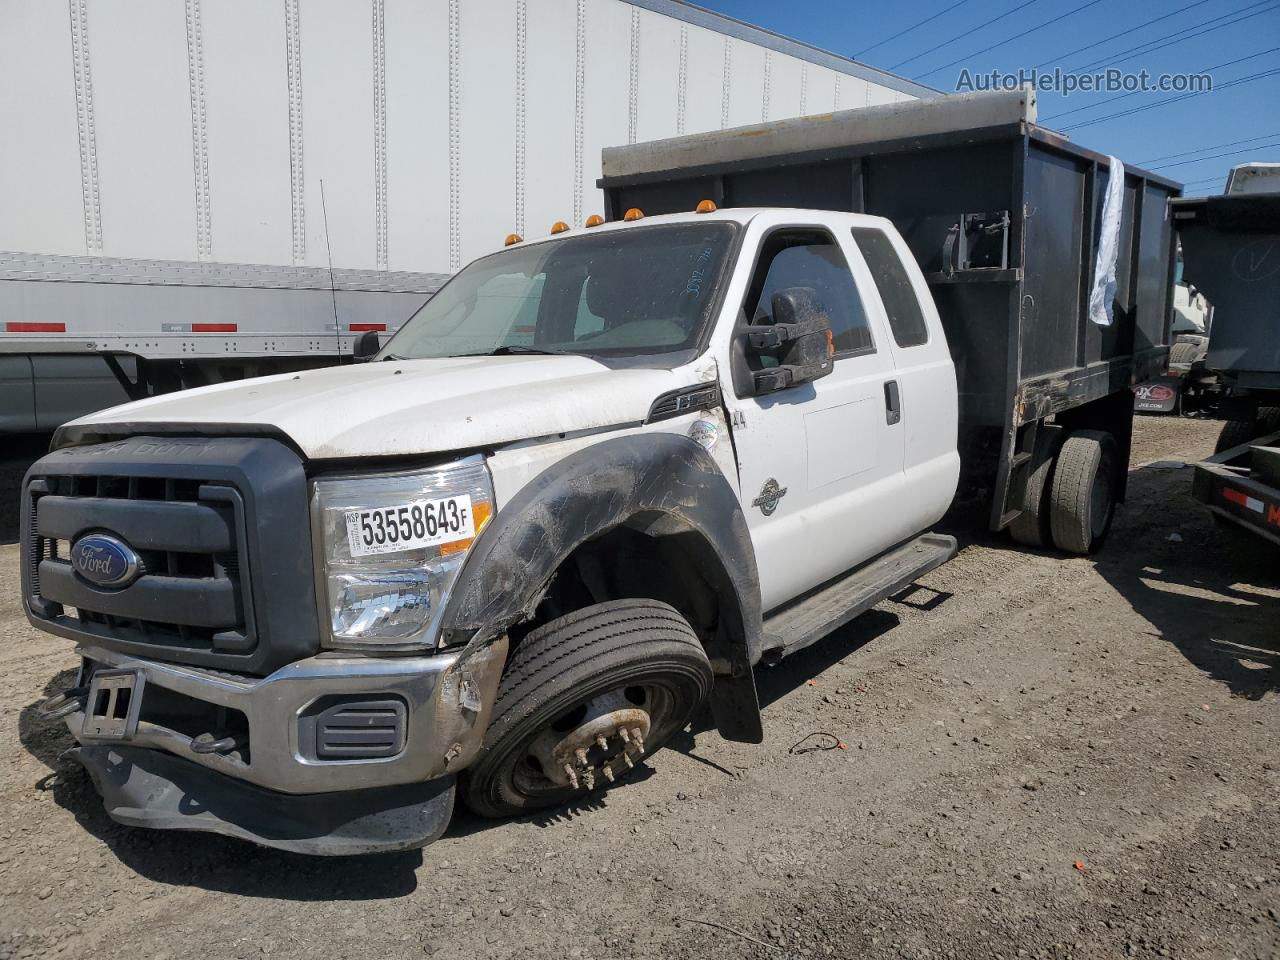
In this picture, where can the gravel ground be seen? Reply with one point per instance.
(1043, 757)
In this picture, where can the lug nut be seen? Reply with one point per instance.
(608, 774)
(602, 742)
(589, 778)
(626, 737)
(581, 754)
(573, 777)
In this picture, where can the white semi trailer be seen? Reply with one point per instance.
(193, 192)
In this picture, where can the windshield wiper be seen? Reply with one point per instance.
(512, 349)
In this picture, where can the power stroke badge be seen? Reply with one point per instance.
(770, 494)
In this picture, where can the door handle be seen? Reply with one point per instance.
(892, 402)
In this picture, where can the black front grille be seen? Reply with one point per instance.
(189, 537)
(220, 526)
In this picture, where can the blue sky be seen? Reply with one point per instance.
(1216, 32)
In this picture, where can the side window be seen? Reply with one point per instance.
(795, 258)
(899, 297)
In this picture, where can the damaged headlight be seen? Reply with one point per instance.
(392, 546)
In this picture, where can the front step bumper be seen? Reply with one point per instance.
(147, 788)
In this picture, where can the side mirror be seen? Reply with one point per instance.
(365, 346)
(799, 338)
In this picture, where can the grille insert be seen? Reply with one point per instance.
(188, 537)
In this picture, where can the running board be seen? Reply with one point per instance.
(810, 618)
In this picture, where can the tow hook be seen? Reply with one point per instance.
(205, 743)
(64, 704)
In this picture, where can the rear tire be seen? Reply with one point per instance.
(610, 659)
(1031, 527)
(1236, 432)
(1183, 353)
(1082, 499)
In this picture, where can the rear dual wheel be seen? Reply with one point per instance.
(1069, 496)
(584, 698)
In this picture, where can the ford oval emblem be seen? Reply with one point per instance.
(105, 561)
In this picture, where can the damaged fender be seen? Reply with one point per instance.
(664, 484)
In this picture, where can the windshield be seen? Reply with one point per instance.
(632, 292)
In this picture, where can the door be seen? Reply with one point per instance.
(819, 464)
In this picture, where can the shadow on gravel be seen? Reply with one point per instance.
(19, 452)
(1213, 593)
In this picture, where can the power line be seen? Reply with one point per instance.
(917, 26)
(1217, 156)
(939, 46)
(1117, 36)
(1178, 36)
(1131, 93)
(1186, 96)
(1214, 146)
(1016, 36)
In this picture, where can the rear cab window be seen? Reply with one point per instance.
(901, 302)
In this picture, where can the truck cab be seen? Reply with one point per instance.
(651, 433)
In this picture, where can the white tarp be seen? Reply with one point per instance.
(1103, 293)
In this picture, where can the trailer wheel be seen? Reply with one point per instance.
(1031, 527)
(1082, 499)
(584, 698)
(1236, 432)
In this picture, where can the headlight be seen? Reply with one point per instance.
(392, 546)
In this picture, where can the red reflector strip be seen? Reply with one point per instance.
(18, 327)
(1242, 500)
(366, 327)
(214, 328)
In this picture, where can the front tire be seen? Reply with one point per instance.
(583, 699)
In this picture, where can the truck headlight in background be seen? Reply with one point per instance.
(391, 547)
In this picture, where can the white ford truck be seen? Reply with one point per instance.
(581, 494)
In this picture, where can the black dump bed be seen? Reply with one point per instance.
(1003, 217)
(1231, 251)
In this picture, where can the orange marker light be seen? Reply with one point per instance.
(481, 513)
(559, 227)
(512, 238)
(705, 206)
(635, 213)
(595, 220)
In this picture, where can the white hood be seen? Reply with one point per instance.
(414, 406)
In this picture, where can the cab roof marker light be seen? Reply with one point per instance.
(594, 220)
(559, 227)
(635, 213)
(705, 206)
(512, 238)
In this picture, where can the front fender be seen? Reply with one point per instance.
(662, 476)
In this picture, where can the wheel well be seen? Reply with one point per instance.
(653, 556)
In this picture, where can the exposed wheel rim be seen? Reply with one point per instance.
(656, 704)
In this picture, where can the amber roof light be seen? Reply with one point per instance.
(512, 238)
(635, 213)
(559, 227)
(594, 220)
(705, 206)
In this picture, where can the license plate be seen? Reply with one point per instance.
(410, 526)
(113, 704)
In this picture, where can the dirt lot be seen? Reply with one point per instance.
(1046, 757)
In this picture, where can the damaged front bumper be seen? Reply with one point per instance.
(331, 755)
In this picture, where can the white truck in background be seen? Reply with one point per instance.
(179, 178)
(596, 480)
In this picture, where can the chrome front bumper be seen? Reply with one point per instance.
(449, 705)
